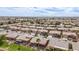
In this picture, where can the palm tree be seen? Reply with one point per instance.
(38, 40)
(77, 35)
(48, 32)
(7, 27)
(70, 46)
(36, 32)
(61, 33)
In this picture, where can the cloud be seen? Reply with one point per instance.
(75, 9)
(54, 9)
(39, 11)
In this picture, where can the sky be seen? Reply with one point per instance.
(39, 11)
(39, 3)
(39, 8)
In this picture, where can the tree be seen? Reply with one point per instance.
(57, 23)
(9, 22)
(48, 31)
(36, 32)
(1, 23)
(61, 33)
(2, 39)
(70, 47)
(38, 40)
(31, 22)
(45, 34)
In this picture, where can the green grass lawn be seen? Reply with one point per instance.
(12, 47)
(4, 45)
(15, 47)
